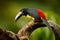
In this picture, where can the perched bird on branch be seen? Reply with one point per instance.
(36, 14)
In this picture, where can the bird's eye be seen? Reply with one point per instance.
(30, 17)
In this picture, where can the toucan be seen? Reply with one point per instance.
(36, 14)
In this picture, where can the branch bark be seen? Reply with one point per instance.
(56, 29)
(26, 31)
(7, 35)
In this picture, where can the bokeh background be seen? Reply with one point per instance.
(9, 9)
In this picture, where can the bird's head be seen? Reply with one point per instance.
(21, 13)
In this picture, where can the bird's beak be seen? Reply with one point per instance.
(18, 16)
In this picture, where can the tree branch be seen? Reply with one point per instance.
(26, 31)
(56, 29)
(7, 35)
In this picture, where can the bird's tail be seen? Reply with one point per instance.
(47, 24)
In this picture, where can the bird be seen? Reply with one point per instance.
(37, 14)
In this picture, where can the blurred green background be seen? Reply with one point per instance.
(9, 9)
